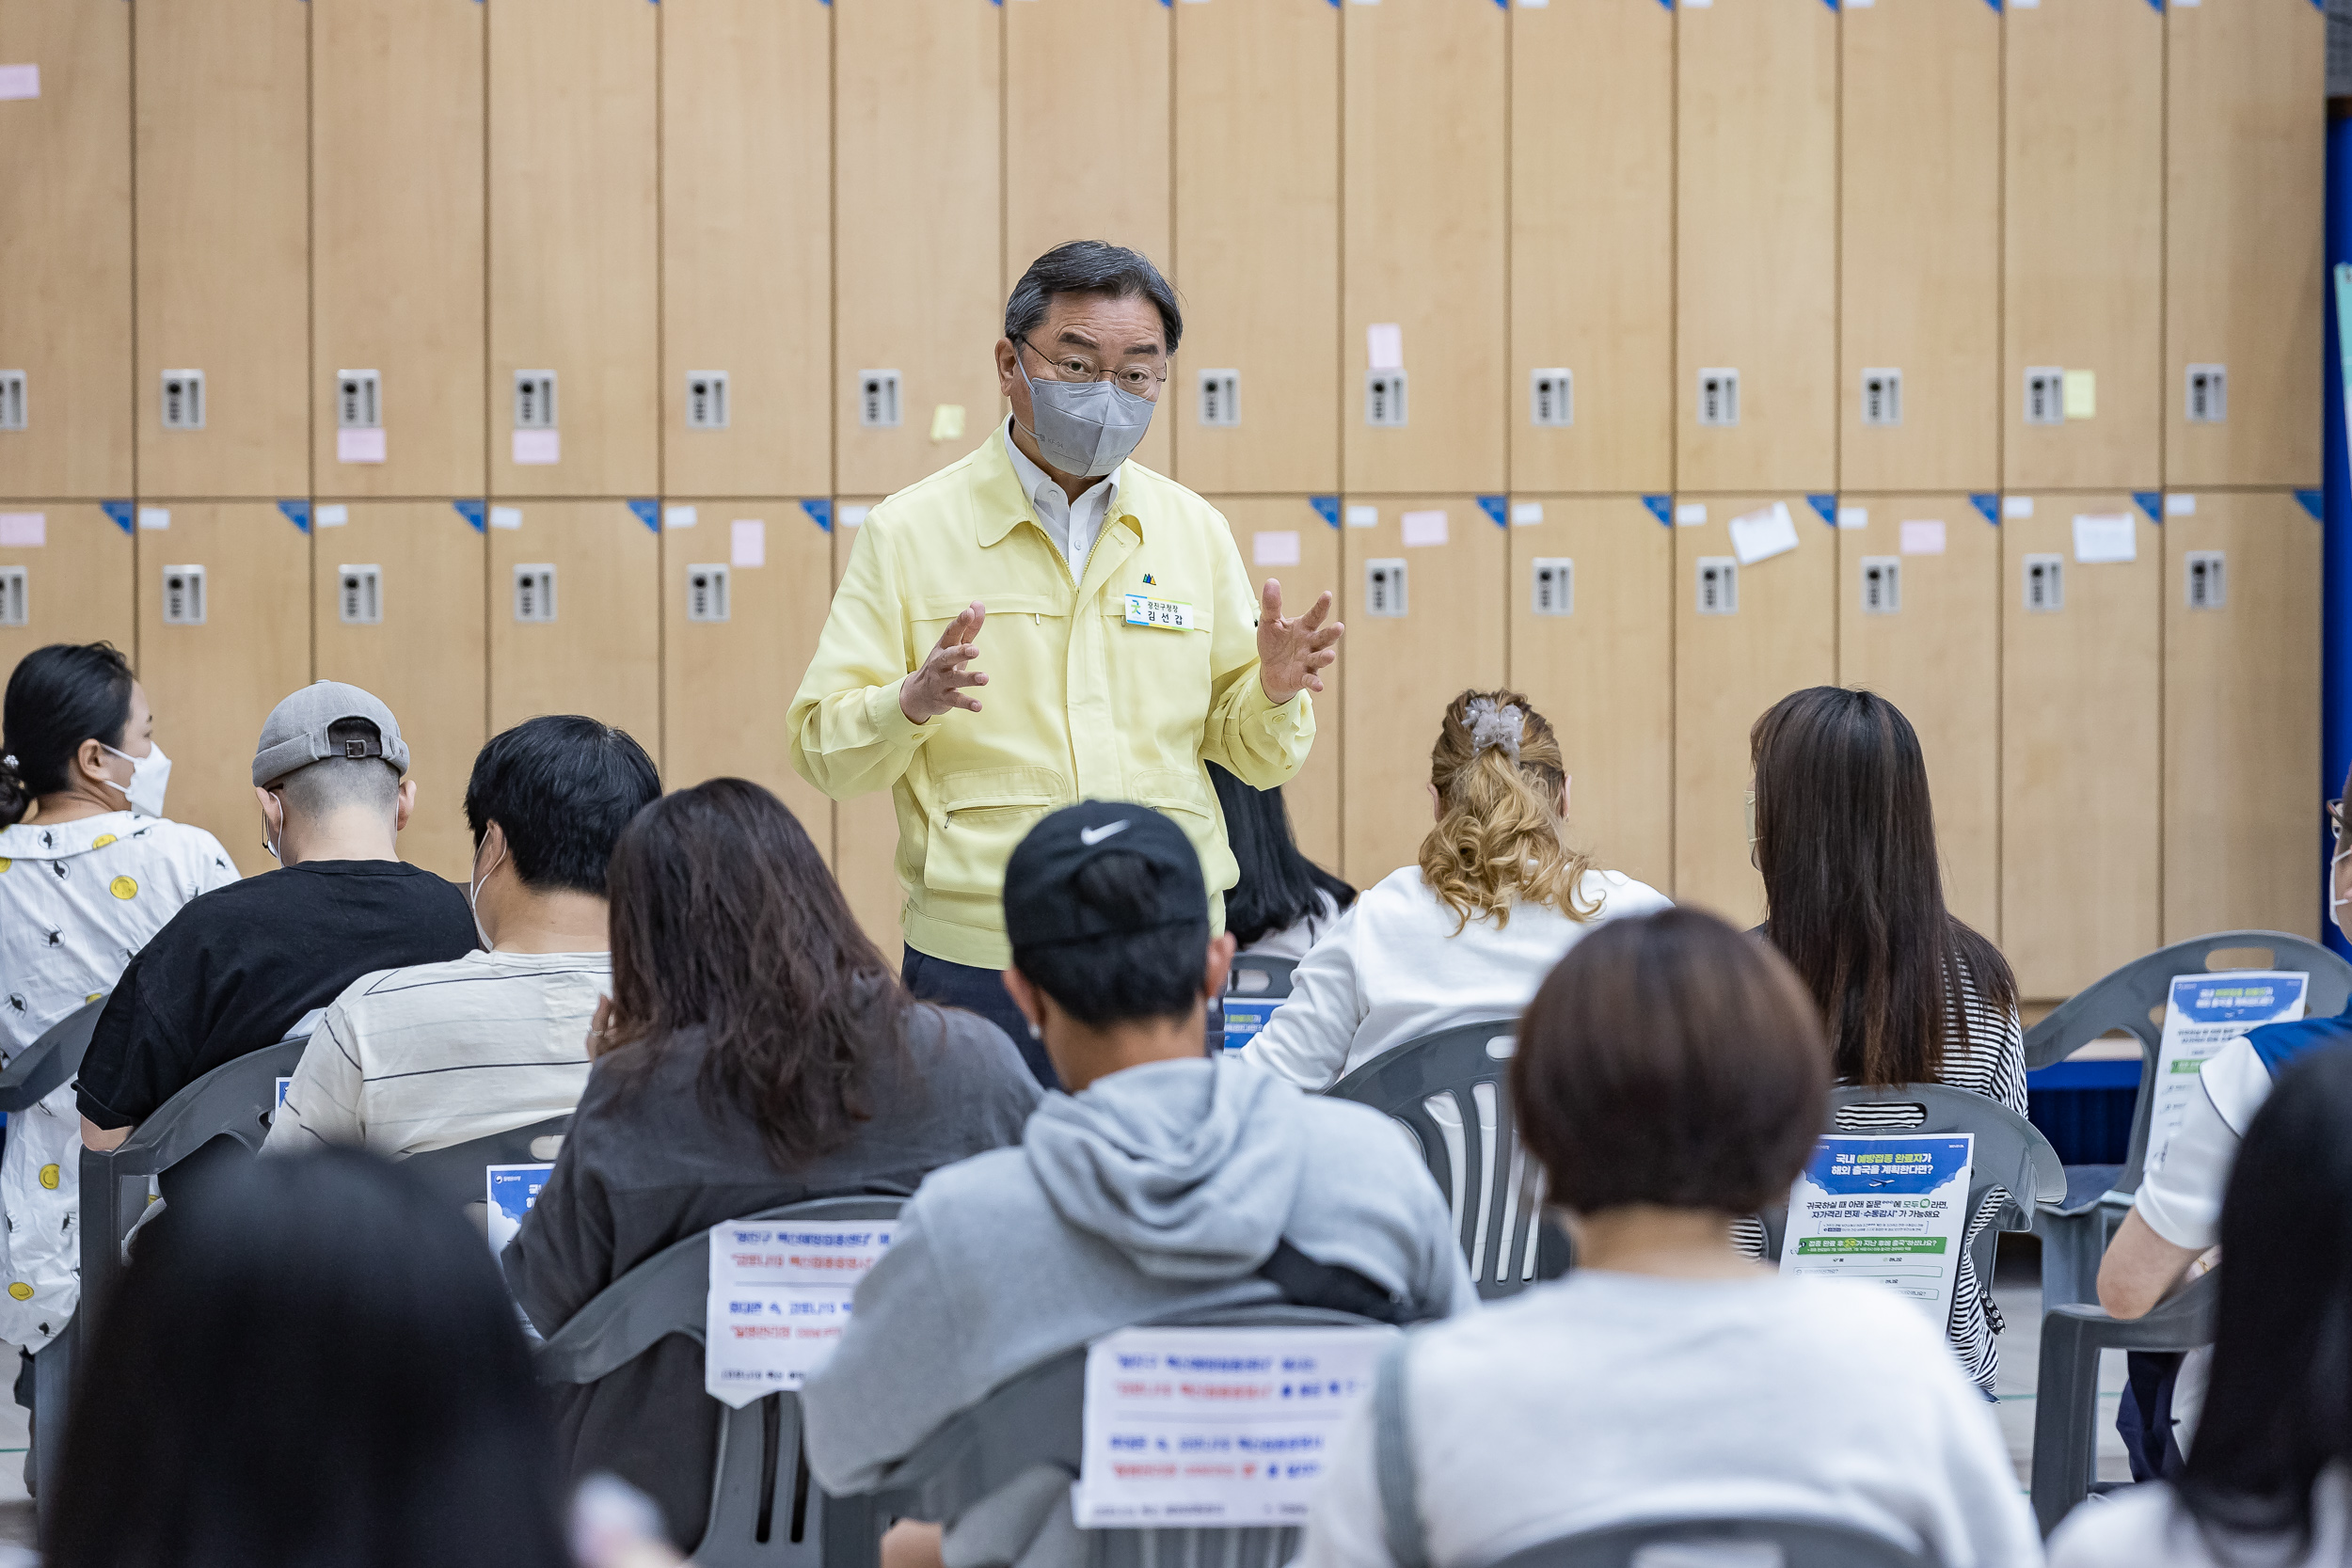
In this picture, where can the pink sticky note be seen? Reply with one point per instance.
(1274, 549)
(1923, 536)
(361, 446)
(747, 541)
(19, 81)
(1423, 528)
(538, 446)
(23, 528)
(1384, 341)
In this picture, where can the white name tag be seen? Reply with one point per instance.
(1143, 610)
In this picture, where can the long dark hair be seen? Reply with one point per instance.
(314, 1365)
(1845, 837)
(2279, 1409)
(1279, 887)
(724, 919)
(59, 697)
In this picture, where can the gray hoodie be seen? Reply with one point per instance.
(1159, 1189)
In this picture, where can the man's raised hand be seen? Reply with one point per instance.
(1292, 654)
(938, 685)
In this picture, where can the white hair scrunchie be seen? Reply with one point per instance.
(1495, 724)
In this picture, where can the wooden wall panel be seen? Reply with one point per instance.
(78, 580)
(1267, 529)
(602, 653)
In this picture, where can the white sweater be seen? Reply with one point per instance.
(1608, 1398)
(2146, 1525)
(1393, 969)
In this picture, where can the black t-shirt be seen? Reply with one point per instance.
(239, 966)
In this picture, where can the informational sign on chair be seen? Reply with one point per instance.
(2201, 1014)
(779, 1298)
(1891, 1209)
(511, 1191)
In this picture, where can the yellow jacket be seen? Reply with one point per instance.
(1079, 704)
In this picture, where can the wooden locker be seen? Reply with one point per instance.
(574, 246)
(1919, 623)
(2082, 244)
(1101, 65)
(77, 587)
(65, 250)
(1920, 246)
(866, 829)
(2245, 162)
(1592, 646)
(745, 585)
(396, 148)
(223, 257)
(1399, 670)
(919, 294)
(747, 246)
(2242, 772)
(1756, 248)
(1292, 540)
(1772, 629)
(1426, 138)
(2081, 759)
(397, 598)
(1592, 247)
(1256, 243)
(597, 649)
(211, 683)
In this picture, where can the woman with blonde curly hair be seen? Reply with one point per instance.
(1498, 897)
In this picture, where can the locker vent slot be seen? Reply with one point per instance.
(1555, 585)
(16, 606)
(1718, 585)
(361, 595)
(1220, 399)
(1384, 399)
(184, 400)
(2045, 395)
(534, 400)
(359, 399)
(1882, 584)
(534, 593)
(1550, 398)
(184, 595)
(1883, 397)
(705, 400)
(1384, 588)
(706, 593)
(2208, 394)
(878, 400)
(12, 399)
(1719, 397)
(2045, 582)
(2208, 586)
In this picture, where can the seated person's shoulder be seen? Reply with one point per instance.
(1620, 895)
(1348, 1134)
(962, 1051)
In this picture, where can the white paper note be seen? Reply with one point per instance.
(2015, 507)
(19, 81)
(674, 518)
(2102, 537)
(1690, 513)
(853, 516)
(1276, 549)
(506, 516)
(1423, 528)
(1853, 516)
(747, 541)
(1526, 514)
(2177, 505)
(155, 518)
(1363, 516)
(358, 446)
(1384, 344)
(330, 517)
(1923, 536)
(1761, 534)
(779, 1298)
(538, 446)
(24, 528)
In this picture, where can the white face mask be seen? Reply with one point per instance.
(2336, 901)
(148, 775)
(473, 899)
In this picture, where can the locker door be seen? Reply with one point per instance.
(2241, 715)
(596, 649)
(1920, 268)
(1592, 645)
(744, 586)
(65, 248)
(78, 586)
(574, 250)
(1424, 199)
(865, 830)
(1919, 623)
(213, 683)
(2243, 152)
(397, 598)
(2082, 242)
(1288, 539)
(224, 250)
(1402, 662)
(747, 246)
(1756, 196)
(919, 301)
(1592, 247)
(2080, 756)
(1771, 629)
(1102, 65)
(396, 140)
(1256, 243)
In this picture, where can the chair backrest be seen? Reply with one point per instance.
(1447, 1089)
(1730, 1543)
(49, 1060)
(454, 1172)
(2132, 998)
(1255, 974)
(765, 1509)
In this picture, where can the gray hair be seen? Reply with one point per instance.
(1091, 267)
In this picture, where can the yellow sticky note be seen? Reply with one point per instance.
(2082, 394)
(947, 423)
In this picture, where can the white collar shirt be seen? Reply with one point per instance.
(1071, 527)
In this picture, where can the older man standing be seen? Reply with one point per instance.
(1123, 646)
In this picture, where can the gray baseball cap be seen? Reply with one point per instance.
(294, 734)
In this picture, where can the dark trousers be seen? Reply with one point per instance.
(981, 992)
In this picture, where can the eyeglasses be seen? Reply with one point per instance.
(1143, 377)
(2335, 817)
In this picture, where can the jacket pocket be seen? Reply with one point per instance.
(976, 818)
(1187, 799)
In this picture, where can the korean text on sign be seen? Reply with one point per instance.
(779, 1300)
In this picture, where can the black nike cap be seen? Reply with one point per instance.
(1042, 903)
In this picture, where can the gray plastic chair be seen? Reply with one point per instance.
(1256, 984)
(1734, 1542)
(49, 1060)
(2075, 1227)
(454, 1172)
(1447, 1089)
(765, 1509)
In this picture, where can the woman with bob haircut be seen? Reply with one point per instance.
(1470, 931)
(1671, 1075)
(758, 1050)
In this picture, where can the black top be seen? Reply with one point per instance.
(239, 966)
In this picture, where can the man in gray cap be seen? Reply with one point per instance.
(239, 967)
